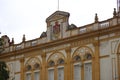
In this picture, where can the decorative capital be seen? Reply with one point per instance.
(22, 60)
(96, 43)
(43, 55)
(68, 50)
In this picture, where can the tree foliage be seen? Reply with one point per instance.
(4, 73)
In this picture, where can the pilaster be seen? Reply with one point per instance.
(68, 65)
(43, 70)
(55, 73)
(93, 68)
(118, 63)
(82, 71)
(22, 69)
(96, 61)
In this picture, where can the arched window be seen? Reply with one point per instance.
(28, 67)
(60, 61)
(36, 66)
(60, 74)
(51, 71)
(77, 68)
(32, 68)
(88, 56)
(36, 73)
(51, 63)
(77, 58)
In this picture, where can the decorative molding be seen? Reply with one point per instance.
(56, 48)
(68, 50)
(43, 55)
(82, 42)
(104, 56)
(114, 46)
(17, 57)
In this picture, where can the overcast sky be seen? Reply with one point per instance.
(18, 17)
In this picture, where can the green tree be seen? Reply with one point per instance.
(4, 73)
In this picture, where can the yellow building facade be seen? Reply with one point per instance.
(67, 52)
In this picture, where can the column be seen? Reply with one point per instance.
(118, 63)
(93, 68)
(82, 71)
(22, 69)
(68, 65)
(55, 73)
(96, 61)
(43, 70)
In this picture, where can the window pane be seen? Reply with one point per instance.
(77, 72)
(51, 74)
(61, 73)
(28, 76)
(88, 71)
(37, 76)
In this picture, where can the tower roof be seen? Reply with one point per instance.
(57, 14)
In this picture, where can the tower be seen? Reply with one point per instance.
(57, 24)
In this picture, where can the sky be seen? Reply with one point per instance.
(19, 17)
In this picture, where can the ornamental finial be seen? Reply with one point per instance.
(96, 18)
(23, 40)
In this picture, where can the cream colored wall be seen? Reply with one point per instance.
(17, 76)
(63, 52)
(26, 59)
(42, 40)
(11, 69)
(48, 55)
(65, 33)
(14, 68)
(105, 48)
(108, 59)
(114, 45)
(17, 66)
(73, 50)
(39, 57)
(74, 32)
(105, 69)
(49, 33)
(91, 46)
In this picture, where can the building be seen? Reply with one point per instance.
(67, 52)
